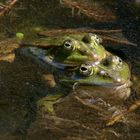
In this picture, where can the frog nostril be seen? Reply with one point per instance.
(106, 62)
(85, 51)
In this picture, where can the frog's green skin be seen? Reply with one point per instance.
(109, 82)
(111, 73)
(69, 49)
(112, 78)
(106, 77)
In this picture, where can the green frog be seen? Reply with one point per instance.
(72, 61)
(108, 79)
(68, 50)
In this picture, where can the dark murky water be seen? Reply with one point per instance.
(20, 78)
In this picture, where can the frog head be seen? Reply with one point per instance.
(109, 78)
(68, 50)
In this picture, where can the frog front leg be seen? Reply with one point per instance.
(45, 104)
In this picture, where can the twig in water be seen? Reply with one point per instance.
(119, 116)
(7, 8)
(90, 106)
(54, 32)
(97, 14)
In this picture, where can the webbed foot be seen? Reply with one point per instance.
(45, 105)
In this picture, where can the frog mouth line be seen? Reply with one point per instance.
(127, 84)
(116, 86)
(111, 85)
(119, 92)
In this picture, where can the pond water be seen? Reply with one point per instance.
(21, 88)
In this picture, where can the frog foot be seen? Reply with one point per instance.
(46, 104)
(46, 108)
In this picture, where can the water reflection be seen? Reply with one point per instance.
(17, 79)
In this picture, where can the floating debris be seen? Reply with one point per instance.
(97, 14)
(48, 80)
(116, 118)
(8, 7)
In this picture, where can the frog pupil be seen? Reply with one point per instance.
(68, 45)
(83, 69)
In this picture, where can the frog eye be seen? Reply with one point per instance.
(96, 38)
(68, 44)
(86, 70)
(87, 38)
(120, 61)
(92, 38)
(117, 59)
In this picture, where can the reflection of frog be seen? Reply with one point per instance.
(69, 50)
(73, 61)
